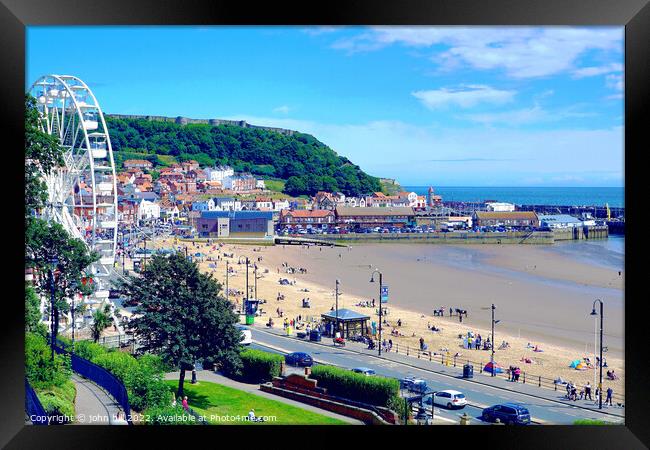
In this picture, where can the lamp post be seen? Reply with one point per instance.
(372, 280)
(600, 362)
(54, 261)
(74, 293)
(337, 308)
(227, 291)
(144, 239)
(245, 303)
(494, 322)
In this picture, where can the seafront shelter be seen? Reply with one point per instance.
(351, 322)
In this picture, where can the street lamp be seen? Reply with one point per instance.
(494, 322)
(337, 307)
(245, 303)
(372, 280)
(600, 362)
(74, 293)
(227, 291)
(54, 262)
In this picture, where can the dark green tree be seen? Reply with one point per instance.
(32, 311)
(45, 242)
(182, 316)
(42, 154)
(101, 320)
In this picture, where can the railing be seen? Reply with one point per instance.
(450, 360)
(33, 407)
(101, 377)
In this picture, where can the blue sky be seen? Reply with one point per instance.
(448, 106)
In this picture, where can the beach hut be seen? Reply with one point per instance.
(492, 368)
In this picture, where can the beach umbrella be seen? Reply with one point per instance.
(493, 368)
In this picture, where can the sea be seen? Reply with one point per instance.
(561, 196)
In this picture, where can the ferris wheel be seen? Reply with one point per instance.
(82, 194)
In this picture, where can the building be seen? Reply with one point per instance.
(263, 203)
(411, 198)
(374, 217)
(207, 205)
(239, 183)
(560, 221)
(500, 206)
(259, 184)
(219, 173)
(235, 224)
(324, 200)
(148, 210)
(515, 219)
(279, 205)
(189, 165)
(351, 323)
(137, 164)
(303, 217)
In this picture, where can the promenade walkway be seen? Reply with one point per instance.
(254, 389)
(93, 405)
(530, 388)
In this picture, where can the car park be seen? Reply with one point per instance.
(448, 398)
(299, 359)
(507, 413)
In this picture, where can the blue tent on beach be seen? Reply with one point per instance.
(574, 363)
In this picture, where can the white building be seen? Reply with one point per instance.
(226, 204)
(279, 205)
(260, 184)
(563, 221)
(219, 173)
(148, 210)
(500, 207)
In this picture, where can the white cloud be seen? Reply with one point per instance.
(284, 109)
(600, 70)
(316, 31)
(465, 96)
(614, 82)
(523, 52)
(534, 114)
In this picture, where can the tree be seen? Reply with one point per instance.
(101, 320)
(32, 311)
(181, 315)
(45, 242)
(42, 154)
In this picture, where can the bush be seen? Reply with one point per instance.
(146, 388)
(169, 415)
(59, 400)
(354, 386)
(118, 363)
(41, 371)
(88, 350)
(258, 366)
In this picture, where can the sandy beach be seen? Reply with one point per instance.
(542, 298)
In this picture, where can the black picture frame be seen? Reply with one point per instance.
(15, 15)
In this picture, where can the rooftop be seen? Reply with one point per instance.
(388, 211)
(345, 314)
(506, 214)
(268, 215)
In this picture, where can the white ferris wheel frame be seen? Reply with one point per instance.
(56, 96)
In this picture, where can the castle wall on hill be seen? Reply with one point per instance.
(213, 122)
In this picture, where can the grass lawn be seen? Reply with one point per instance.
(276, 185)
(215, 399)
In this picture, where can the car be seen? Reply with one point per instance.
(448, 398)
(364, 370)
(507, 413)
(412, 384)
(299, 359)
(246, 335)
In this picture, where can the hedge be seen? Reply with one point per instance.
(258, 366)
(375, 390)
(41, 371)
(88, 350)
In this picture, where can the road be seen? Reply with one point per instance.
(547, 408)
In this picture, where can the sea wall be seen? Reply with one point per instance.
(578, 233)
(514, 237)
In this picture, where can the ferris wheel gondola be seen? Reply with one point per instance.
(82, 194)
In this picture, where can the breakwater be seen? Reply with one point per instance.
(456, 237)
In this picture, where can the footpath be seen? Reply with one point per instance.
(208, 375)
(93, 405)
(485, 378)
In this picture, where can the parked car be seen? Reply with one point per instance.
(412, 384)
(364, 370)
(299, 359)
(448, 398)
(508, 413)
(246, 335)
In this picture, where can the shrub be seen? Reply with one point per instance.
(88, 350)
(118, 363)
(258, 366)
(59, 400)
(146, 388)
(169, 415)
(354, 386)
(41, 371)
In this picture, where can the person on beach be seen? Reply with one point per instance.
(399, 322)
(460, 318)
(588, 391)
(608, 399)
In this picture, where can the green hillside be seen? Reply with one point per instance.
(306, 164)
